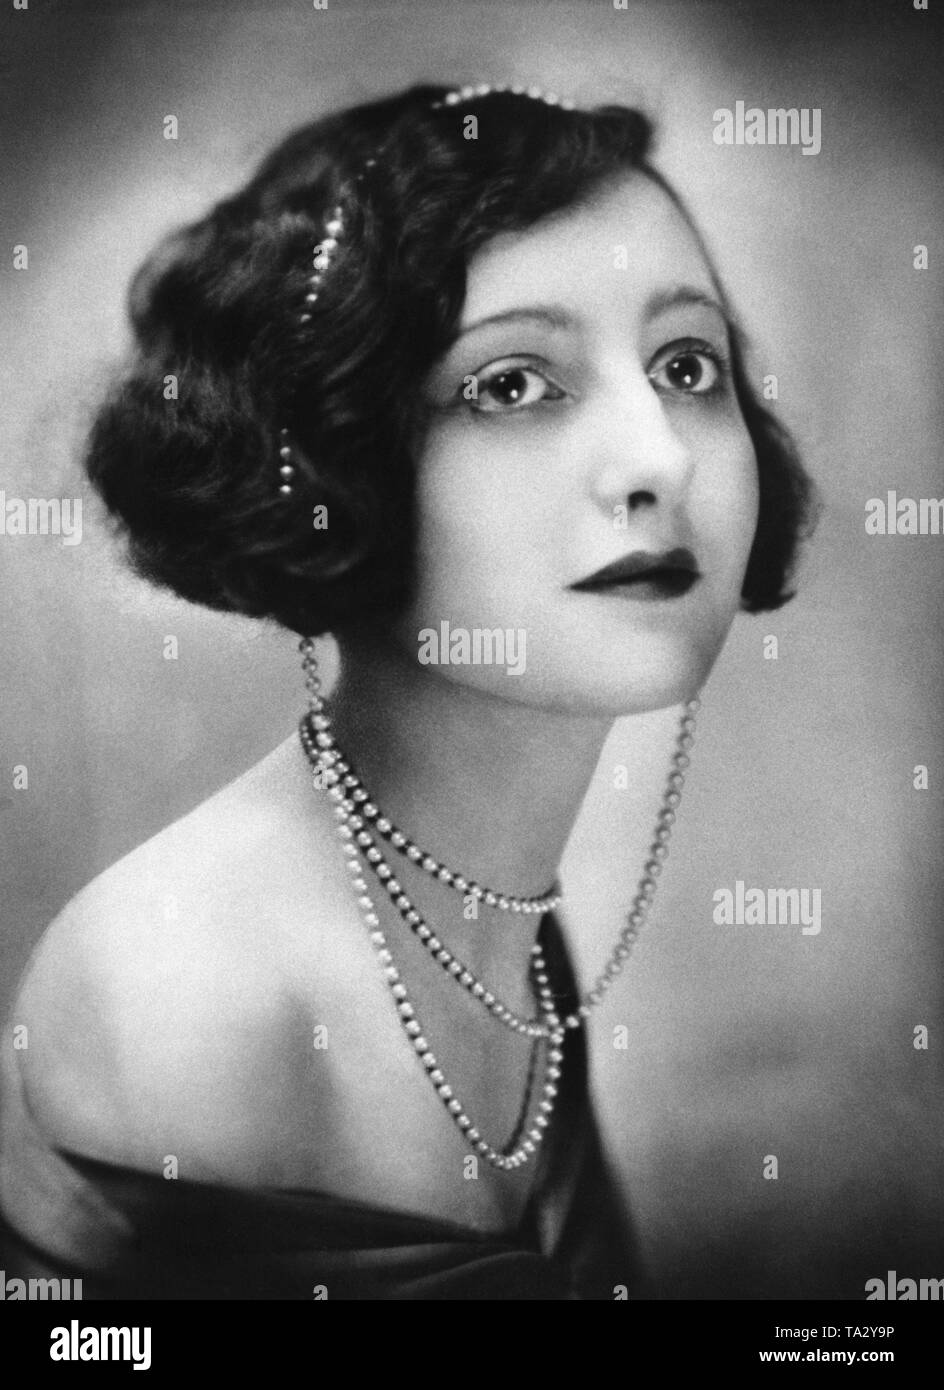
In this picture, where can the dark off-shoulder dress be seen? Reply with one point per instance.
(129, 1234)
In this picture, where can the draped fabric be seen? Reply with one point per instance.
(130, 1234)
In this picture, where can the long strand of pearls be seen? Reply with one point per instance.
(353, 808)
(317, 738)
(414, 1030)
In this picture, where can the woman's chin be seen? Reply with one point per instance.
(602, 695)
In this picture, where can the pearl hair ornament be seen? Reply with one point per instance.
(323, 251)
(472, 92)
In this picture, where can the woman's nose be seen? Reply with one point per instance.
(635, 453)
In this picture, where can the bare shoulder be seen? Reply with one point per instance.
(161, 1003)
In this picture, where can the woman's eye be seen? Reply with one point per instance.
(695, 371)
(512, 388)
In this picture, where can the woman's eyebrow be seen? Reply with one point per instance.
(552, 315)
(682, 296)
(556, 317)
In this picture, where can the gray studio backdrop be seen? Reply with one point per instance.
(744, 1042)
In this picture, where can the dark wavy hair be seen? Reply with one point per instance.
(192, 481)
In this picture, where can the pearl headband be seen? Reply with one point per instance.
(324, 250)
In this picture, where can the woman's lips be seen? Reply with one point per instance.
(644, 575)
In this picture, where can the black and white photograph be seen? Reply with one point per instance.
(471, 576)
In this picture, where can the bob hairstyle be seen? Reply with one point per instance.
(192, 481)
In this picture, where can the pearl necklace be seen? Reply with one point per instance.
(344, 787)
(315, 731)
(345, 812)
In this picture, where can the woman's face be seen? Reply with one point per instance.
(585, 414)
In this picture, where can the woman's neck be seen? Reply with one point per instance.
(490, 787)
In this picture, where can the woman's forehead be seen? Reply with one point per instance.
(629, 241)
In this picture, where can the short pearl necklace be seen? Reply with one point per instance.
(354, 808)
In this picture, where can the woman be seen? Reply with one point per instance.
(451, 379)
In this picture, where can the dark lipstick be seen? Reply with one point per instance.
(644, 574)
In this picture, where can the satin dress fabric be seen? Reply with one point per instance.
(137, 1235)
